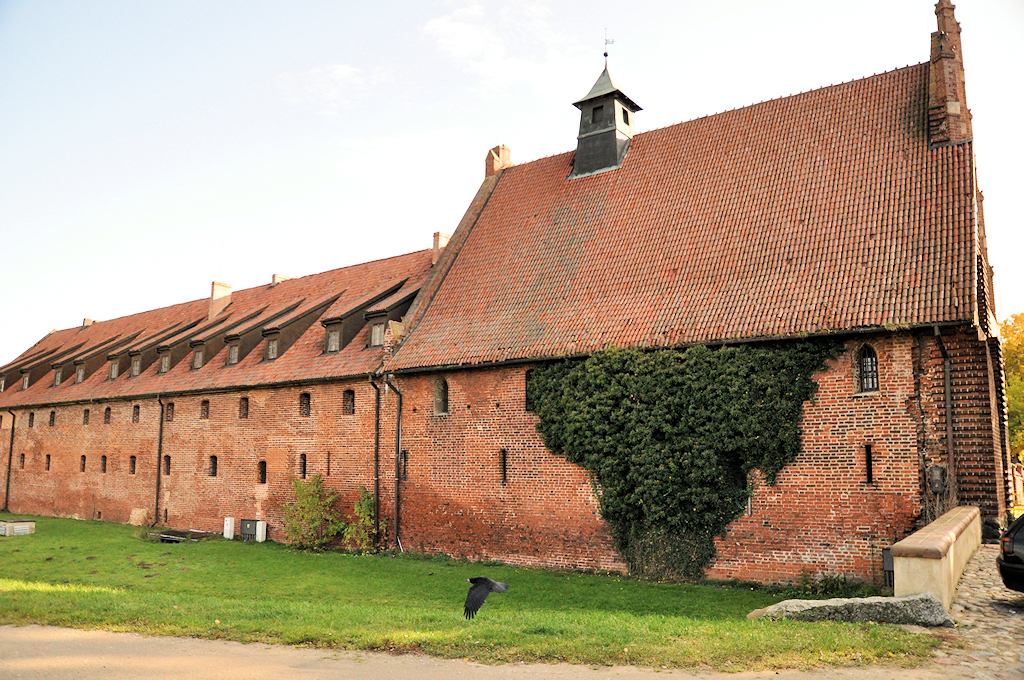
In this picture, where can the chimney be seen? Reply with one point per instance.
(440, 241)
(949, 121)
(86, 323)
(278, 278)
(220, 297)
(498, 158)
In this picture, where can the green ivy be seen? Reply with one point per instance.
(670, 435)
(310, 522)
(359, 533)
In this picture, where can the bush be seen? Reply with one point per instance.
(310, 522)
(669, 437)
(359, 533)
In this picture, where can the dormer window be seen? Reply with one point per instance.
(24, 382)
(197, 359)
(165, 363)
(80, 374)
(113, 370)
(57, 376)
(333, 340)
(2, 381)
(272, 348)
(376, 335)
(136, 366)
(233, 354)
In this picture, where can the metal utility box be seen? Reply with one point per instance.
(261, 531)
(229, 528)
(17, 527)
(248, 529)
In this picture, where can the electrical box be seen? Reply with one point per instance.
(261, 531)
(229, 528)
(17, 527)
(248, 529)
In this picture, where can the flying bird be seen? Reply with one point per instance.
(478, 592)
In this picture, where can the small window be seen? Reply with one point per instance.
(80, 374)
(867, 370)
(135, 413)
(136, 366)
(169, 412)
(21, 461)
(113, 370)
(197, 359)
(57, 375)
(625, 116)
(597, 115)
(243, 407)
(302, 465)
(31, 419)
(261, 472)
(53, 418)
(304, 405)
(103, 464)
(528, 378)
(376, 335)
(204, 409)
(213, 466)
(333, 340)
(131, 465)
(233, 354)
(165, 363)
(503, 460)
(24, 382)
(106, 416)
(272, 348)
(167, 465)
(47, 462)
(85, 417)
(405, 464)
(869, 472)
(81, 467)
(348, 403)
(440, 397)
(3, 382)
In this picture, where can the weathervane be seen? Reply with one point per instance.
(607, 42)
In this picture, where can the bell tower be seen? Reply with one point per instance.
(606, 128)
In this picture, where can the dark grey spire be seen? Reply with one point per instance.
(606, 127)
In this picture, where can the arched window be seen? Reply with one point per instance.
(348, 403)
(135, 413)
(304, 405)
(867, 369)
(440, 397)
(106, 416)
(213, 466)
(262, 472)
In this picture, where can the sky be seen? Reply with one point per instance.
(150, 148)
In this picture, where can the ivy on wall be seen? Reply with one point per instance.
(670, 435)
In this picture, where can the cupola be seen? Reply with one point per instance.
(606, 127)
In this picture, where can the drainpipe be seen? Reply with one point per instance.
(951, 456)
(376, 464)
(10, 458)
(159, 457)
(398, 456)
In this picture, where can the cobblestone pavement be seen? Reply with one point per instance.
(990, 624)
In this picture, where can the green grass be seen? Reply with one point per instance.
(85, 574)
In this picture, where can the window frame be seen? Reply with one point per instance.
(867, 371)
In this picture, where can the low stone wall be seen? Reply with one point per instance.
(931, 560)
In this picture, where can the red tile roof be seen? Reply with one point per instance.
(304, 360)
(815, 213)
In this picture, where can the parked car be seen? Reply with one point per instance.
(1011, 556)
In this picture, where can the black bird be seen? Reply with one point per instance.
(478, 592)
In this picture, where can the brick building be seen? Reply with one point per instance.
(850, 212)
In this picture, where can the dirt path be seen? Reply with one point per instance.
(991, 628)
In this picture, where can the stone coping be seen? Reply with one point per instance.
(934, 541)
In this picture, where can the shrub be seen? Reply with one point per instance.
(310, 522)
(359, 533)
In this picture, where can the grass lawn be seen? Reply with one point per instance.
(86, 574)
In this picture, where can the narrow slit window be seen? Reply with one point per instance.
(31, 419)
(348, 403)
(304, 405)
(167, 465)
(21, 461)
(85, 417)
(47, 462)
(204, 409)
(440, 397)
(169, 412)
(243, 407)
(103, 464)
(135, 413)
(405, 464)
(213, 466)
(131, 465)
(106, 416)
(53, 418)
(528, 378)
(82, 465)
(302, 465)
(504, 466)
(869, 471)
(261, 472)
